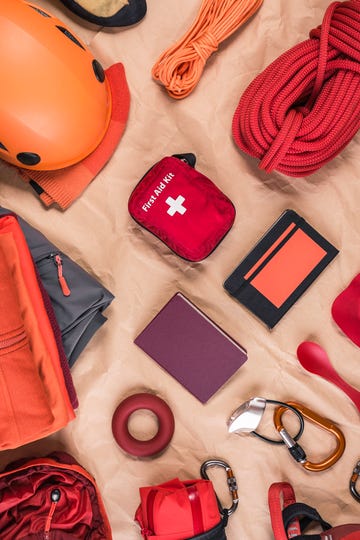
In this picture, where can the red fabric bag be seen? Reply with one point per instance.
(51, 498)
(182, 207)
(179, 510)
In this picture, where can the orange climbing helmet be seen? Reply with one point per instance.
(55, 102)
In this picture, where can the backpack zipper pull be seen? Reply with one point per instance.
(62, 281)
(55, 497)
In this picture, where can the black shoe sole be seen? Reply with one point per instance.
(128, 15)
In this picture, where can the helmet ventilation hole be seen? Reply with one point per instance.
(43, 13)
(69, 35)
(99, 71)
(28, 158)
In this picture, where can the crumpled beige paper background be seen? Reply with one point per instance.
(99, 234)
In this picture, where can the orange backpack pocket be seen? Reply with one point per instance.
(32, 386)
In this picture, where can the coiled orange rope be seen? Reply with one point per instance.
(179, 68)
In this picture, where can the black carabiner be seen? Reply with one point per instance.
(231, 481)
(291, 408)
(354, 478)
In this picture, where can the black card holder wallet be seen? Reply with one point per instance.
(282, 265)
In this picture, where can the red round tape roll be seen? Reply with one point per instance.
(165, 419)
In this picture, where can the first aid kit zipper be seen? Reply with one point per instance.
(11, 341)
(57, 260)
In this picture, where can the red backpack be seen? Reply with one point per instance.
(51, 498)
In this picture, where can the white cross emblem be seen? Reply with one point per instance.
(175, 205)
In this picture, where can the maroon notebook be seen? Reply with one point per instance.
(191, 347)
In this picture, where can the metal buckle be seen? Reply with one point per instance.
(324, 423)
(231, 481)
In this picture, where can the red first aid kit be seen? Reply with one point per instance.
(182, 207)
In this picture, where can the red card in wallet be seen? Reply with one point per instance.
(182, 207)
(191, 347)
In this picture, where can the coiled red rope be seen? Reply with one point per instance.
(304, 108)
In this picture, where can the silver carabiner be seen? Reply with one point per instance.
(231, 482)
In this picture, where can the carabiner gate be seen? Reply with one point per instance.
(247, 417)
(354, 478)
(296, 451)
(231, 481)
